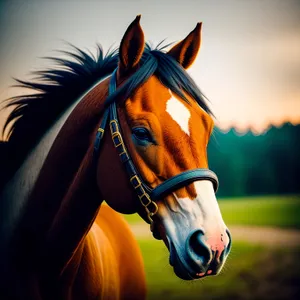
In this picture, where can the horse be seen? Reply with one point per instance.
(59, 239)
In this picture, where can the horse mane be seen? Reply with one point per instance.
(52, 92)
(56, 89)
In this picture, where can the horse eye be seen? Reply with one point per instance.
(142, 134)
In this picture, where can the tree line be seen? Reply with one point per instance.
(249, 164)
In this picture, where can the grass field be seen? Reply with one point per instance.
(252, 271)
(278, 211)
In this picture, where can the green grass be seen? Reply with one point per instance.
(251, 272)
(280, 211)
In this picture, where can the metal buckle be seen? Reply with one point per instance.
(111, 127)
(153, 212)
(139, 183)
(150, 213)
(147, 197)
(117, 134)
(101, 130)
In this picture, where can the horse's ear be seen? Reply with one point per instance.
(185, 52)
(132, 46)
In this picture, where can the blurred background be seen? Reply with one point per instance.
(249, 69)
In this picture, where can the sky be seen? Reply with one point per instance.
(248, 65)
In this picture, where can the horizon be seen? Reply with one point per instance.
(248, 65)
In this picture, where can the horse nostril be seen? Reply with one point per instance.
(198, 248)
(228, 247)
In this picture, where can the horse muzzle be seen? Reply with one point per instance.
(198, 258)
(194, 232)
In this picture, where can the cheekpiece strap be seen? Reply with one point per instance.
(136, 181)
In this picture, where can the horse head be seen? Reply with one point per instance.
(165, 127)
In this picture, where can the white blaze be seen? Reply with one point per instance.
(179, 113)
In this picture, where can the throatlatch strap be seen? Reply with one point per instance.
(100, 132)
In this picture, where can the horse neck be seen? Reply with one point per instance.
(16, 191)
(64, 173)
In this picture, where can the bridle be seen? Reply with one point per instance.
(146, 194)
